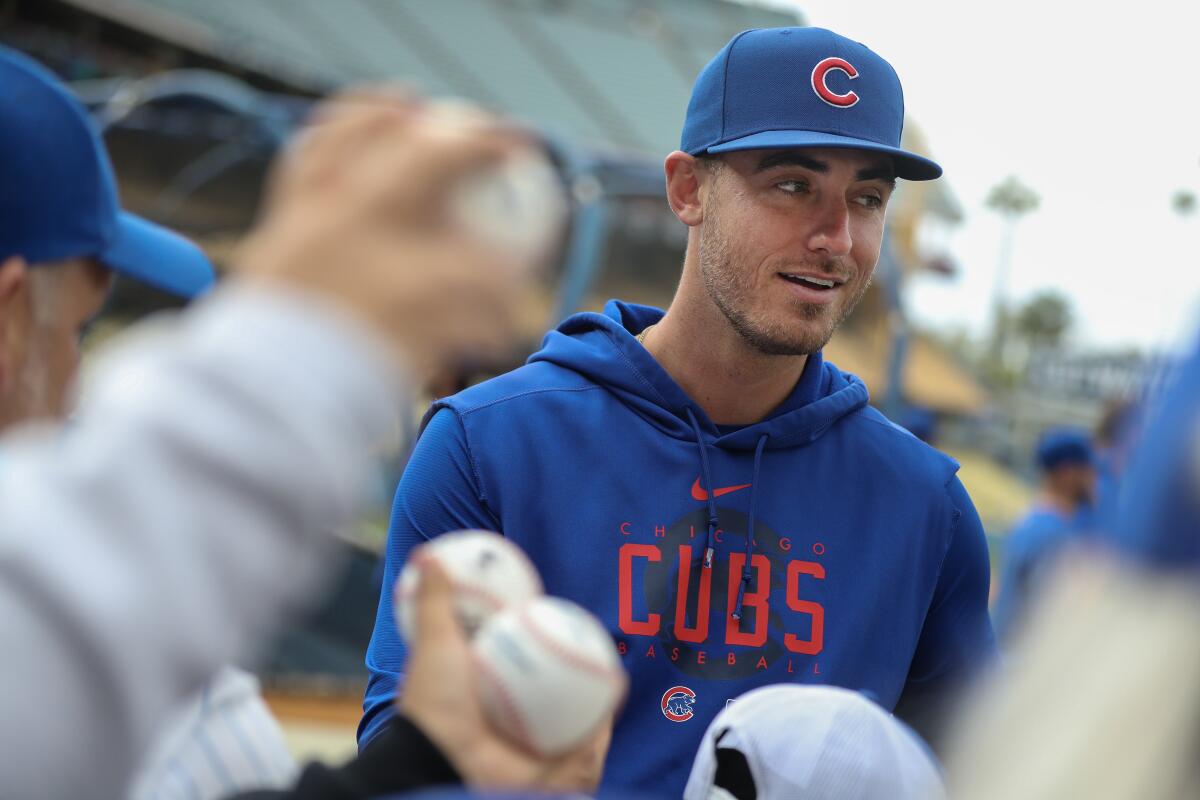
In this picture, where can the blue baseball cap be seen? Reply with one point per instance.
(800, 87)
(1059, 447)
(60, 197)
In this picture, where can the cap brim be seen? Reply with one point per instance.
(908, 165)
(152, 254)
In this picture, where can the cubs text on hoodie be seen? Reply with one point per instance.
(821, 545)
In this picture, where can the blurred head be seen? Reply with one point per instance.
(789, 153)
(789, 742)
(43, 310)
(62, 236)
(1068, 464)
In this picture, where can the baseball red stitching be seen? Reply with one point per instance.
(566, 655)
(509, 708)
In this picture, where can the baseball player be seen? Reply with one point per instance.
(1061, 514)
(722, 497)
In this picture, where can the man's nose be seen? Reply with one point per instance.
(831, 235)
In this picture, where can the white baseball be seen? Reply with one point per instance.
(487, 571)
(549, 674)
(518, 206)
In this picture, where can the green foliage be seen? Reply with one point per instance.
(1044, 320)
(1184, 202)
(1012, 198)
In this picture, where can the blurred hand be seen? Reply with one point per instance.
(356, 213)
(440, 695)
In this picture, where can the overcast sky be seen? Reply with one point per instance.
(1097, 108)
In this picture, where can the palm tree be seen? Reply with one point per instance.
(1012, 200)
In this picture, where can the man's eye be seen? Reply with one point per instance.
(793, 187)
(869, 201)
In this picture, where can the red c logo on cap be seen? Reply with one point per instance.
(821, 70)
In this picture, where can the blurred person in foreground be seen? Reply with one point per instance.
(185, 511)
(64, 239)
(724, 499)
(789, 742)
(1103, 699)
(1061, 514)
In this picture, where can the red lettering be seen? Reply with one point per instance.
(789, 669)
(700, 632)
(628, 552)
(660, 531)
(816, 668)
(650, 652)
(785, 545)
(691, 531)
(700, 657)
(625, 528)
(621, 648)
(816, 642)
(731, 660)
(674, 653)
(717, 535)
(762, 663)
(756, 600)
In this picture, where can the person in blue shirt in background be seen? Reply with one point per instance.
(719, 495)
(1062, 513)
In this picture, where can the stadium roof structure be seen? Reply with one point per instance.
(606, 74)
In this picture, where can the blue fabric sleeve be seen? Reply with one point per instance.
(437, 494)
(957, 642)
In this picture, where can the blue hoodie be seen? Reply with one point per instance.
(823, 544)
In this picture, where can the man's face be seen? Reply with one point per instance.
(1083, 484)
(1075, 483)
(789, 241)
(46, 321)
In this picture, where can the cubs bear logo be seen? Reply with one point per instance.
(820, 85)
(678, 704)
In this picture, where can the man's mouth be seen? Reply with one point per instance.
(815, 282)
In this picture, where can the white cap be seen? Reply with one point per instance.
(815, 743)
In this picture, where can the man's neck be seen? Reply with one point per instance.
(1056, 501)
(734, 383)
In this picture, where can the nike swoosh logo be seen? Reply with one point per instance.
(698, 492)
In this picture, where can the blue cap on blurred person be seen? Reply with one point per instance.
(800, 87)
(60, 197)
(1059, 447)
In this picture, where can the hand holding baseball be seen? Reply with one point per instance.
(441, 696)
(364, 210)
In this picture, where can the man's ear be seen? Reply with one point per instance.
(14, 275)
(684, 181)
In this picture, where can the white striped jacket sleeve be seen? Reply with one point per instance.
(223, 742)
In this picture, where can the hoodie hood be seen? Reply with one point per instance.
(604, 348)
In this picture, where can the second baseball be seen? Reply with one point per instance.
(549, 674)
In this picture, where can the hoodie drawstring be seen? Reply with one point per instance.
(746, 573)
(708, 489)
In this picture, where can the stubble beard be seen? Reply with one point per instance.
(729, 287)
